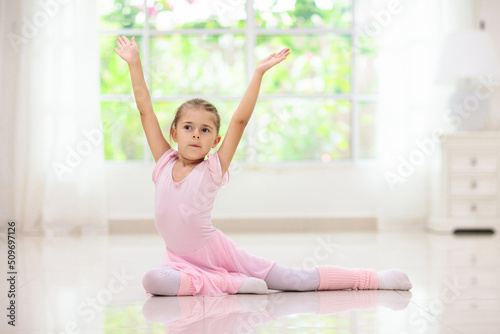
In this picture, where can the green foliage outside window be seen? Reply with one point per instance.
(303, 14)
(197, 64)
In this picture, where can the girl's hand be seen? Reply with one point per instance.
(275, 58)
(129, 51)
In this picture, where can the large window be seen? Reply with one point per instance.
(319, 105)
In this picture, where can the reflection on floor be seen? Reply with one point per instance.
(245, 313)
(93, 285)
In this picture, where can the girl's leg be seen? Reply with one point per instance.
(288, 279)
(163, 281)
(335, 278)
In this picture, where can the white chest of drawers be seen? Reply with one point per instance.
(465, 192)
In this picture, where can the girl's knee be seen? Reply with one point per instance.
(284, 278)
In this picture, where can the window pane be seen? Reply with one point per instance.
(317, 64)
(366, 66)
(303, 13)
(165, 111)
(115, 76)
(201, 14)
(314, 128)
(302, 129)
(120, 14)
(208, 64)
(123, 134)
(367, 130)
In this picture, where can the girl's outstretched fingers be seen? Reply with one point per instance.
(285, 52)
(273, 59)
(280, 56)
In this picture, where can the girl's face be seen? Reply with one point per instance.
(195, 133)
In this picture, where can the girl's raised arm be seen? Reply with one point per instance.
(245, 109)
(129, 51)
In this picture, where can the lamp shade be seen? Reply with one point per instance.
(467, 54)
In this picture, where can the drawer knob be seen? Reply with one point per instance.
(473, 184)
(473, 161)
(473, 207)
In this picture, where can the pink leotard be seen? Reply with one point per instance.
(214, 264)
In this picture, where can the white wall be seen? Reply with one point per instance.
(288, 191)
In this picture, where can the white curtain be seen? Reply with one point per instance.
(412, 105)
(52, 170)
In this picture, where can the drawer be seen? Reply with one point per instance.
(469, 257)
(479, 279)
(481, 310)
(470, 161)
(473, 185)
(469, 208)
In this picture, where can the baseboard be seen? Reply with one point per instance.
(258, 225)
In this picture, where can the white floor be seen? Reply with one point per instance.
(93, 285)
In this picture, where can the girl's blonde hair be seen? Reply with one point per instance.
(196, 103)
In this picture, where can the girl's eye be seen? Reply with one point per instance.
(206, 130)
(187, 127)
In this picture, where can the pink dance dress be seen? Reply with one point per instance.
(210, 262)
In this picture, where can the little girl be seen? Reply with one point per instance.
(199, 259)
